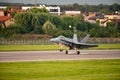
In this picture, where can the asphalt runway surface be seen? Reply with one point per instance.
(19, 56)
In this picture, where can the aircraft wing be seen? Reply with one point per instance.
(86, 45)
(78, 44)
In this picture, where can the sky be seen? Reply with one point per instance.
(59, 2)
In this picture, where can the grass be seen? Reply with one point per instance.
(107, 46)
(57, 70)
(50, 47)
(28, 47)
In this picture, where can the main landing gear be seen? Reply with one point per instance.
(69, 51)
(78, 52)
(75, 51)
(61, 50)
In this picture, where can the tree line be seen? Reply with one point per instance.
(101, 8)
(39, 21)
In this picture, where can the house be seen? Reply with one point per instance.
(2, 13)
(109, 18)
(6, 21)
(112, 16)
(92, 17)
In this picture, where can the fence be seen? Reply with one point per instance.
(25, 42)
(46, 41)
(104, 40)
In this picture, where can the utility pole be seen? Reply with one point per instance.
(35, 3)
(75, 30)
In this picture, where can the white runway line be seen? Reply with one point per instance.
(84, 53)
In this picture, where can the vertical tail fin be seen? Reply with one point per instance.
(75, 38)
(84, 40)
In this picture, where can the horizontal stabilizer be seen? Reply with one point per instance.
(84, 40)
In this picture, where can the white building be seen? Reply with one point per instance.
(72, 12)
(54, 10)
(26, 7)
(51, 9)
(3, 7)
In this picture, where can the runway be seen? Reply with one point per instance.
(19, 56)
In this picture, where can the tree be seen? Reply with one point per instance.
(76, 6)
(56, 20)
(115, 7)
(105, 11)
(49, 28)
(93, 33)
(37, 21)
(68, 20)
(37, 10)
(109, 24)
(66, 33)
(25, 19)
(9, 8)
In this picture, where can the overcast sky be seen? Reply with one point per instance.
(56, 2)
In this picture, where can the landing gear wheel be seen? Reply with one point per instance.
(61, 50)
(66, 52)
(78, 52)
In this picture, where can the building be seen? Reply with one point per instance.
(54, 10)
(6, 21)
(109, 18)
(112, 16)
(3, 7)
(2, 13)
(92, 17)
(72, 13)
(51, 9)
(26, 7)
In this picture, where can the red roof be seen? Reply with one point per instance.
(1, 10)
(15, 11)
(4, 18)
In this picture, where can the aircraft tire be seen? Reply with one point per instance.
(61, 50)
(66, 52)
(78, 52)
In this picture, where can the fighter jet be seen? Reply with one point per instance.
(73, 44)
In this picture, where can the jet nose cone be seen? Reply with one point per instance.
(51, 40)
(54, 40)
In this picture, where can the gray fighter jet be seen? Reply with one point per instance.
(73, 44)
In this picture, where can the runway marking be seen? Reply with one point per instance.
(83, 53)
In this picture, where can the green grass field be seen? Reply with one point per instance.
(50, 47)
(28, 47)
(61, 70)
(107, 46)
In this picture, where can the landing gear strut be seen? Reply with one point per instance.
(78, 52)
(61, 47)
(61, 50)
